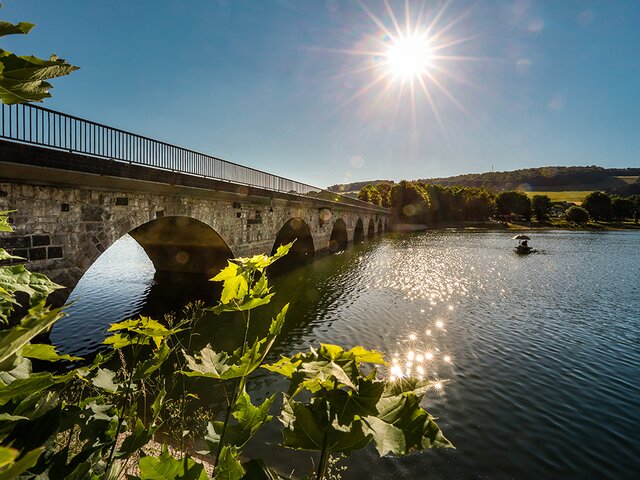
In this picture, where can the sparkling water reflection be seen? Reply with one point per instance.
(540, 353)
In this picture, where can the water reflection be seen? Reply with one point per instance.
(543, 344)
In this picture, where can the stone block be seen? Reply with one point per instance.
(39, 253)
(20, 252)
(54, 252)
(40, 240)
(15, 242)
(92, 213)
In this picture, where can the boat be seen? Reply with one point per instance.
(523, 247)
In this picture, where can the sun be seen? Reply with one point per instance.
(408, 57)
(417, 61)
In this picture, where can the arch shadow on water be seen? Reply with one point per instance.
(358, 232)
(302, 250)
(371, 229)
(157, 268)
(339, 238)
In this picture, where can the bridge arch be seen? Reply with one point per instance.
(182, 244)
(302, 250)
(358, 232)
(339, 239)
(380, 227)
(371, 230)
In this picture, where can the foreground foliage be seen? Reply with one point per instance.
(24, 78)
(100, 420)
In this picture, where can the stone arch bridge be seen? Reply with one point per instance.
(71, 203)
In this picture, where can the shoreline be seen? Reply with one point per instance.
(505, 226)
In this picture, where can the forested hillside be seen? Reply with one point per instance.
(541, 178)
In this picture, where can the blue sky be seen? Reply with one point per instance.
(300, 88)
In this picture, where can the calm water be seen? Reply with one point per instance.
(544, 378)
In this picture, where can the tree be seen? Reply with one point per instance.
(22, 78)
(479, 204)
(577, 214)
(622, 208)
(598, 204)
(541, 206)
(636, 206)
(385, 192)
(410, 203)
(370, 194)
(514, 202)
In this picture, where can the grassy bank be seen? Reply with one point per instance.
(573, 196)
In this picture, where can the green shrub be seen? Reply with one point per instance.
(577, 214)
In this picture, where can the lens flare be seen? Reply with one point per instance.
(408, 57)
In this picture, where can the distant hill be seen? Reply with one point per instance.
(540, 179)
(355, 186)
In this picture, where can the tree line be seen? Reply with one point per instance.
(418, 202)
(539, 178)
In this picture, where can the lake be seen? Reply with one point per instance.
(539, 354)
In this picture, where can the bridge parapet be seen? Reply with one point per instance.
(31, 124)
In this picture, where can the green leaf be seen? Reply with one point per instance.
(22, 369)
(313, 376)
(22, 78)
(135, 441)
(20, 466)
(121, 340)
(211, 364)
(7, 455)
(104, 380)
(276, 324)
(23, 387)
(4, 255)
(45, 352)
(305, 428)
(401, 424)
(349, 405)
(228, 467)
(281, 251)
(21, 28)
(16, 278)
(208, 364)
(166, 467)
(144, 369)
(4, 221)
(138, 332)
(235, 285)
(256, 469)
(367, 356)
(158, 403)
(249, 419)
(328, 367)
(261, 287)
(284, 366)
(6, 417)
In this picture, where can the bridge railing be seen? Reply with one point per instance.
(37, 125)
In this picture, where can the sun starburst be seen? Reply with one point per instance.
(412, 58)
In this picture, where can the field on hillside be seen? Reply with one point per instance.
(575, 196)
(628, 179)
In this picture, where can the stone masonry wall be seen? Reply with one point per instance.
(62, 231)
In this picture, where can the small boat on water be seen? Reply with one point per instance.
(523, 247)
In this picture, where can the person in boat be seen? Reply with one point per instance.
(524, 244)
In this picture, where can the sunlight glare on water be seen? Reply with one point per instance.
(533, 360)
